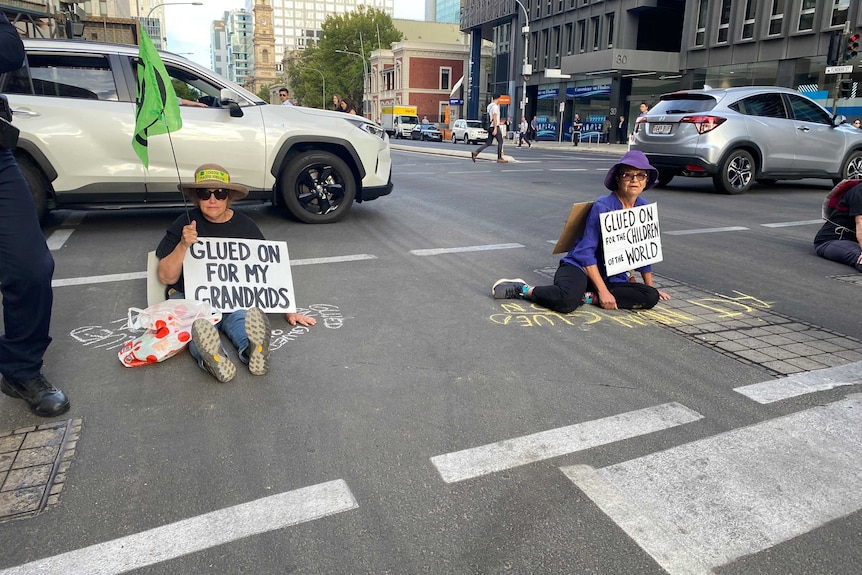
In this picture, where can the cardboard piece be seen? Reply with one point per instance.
(574, 227)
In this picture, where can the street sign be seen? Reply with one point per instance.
(456, 101)
(839, 69)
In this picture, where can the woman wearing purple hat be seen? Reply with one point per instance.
(581, 277)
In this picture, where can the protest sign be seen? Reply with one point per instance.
(574, 227)
(630, 238)
(233, 274)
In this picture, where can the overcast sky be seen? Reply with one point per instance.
(188, 26)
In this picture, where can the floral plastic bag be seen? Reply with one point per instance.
(169, 330)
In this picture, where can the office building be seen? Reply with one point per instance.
(602, 58)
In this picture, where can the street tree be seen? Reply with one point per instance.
(361, 32)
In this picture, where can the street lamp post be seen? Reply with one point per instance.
(173, 4)
(323, 90)
(364, 69)
(527, 70)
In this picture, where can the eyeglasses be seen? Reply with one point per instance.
(206, 194)
(282, 95)
(631, 177)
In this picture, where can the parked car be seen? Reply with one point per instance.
(468, 131)
(74, 103)
(426, 132)
(738, 136)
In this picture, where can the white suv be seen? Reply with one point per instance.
(74, 103)
(468, 131)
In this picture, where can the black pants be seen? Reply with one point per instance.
(26, 267)
(570, 283)
(491, 138)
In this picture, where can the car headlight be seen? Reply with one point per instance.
(366, 126)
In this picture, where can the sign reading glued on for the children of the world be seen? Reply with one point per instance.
(233, 274)
(630, 238)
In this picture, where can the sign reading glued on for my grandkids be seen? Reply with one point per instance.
(630, 238)
(235, 274)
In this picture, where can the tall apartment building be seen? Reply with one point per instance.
(443, 11)
(240, 33)
(295, 24)
(219, 49)
(604, 57)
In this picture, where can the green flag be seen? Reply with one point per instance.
(156, 108)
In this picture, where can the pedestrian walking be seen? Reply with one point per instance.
(525, 133)
(495, 132)
(577, 126)
(621, 130)
(607, 125)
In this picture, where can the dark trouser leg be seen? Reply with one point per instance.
(499, 144)
(631, 295)
(26, 268)
(567, 293)
(487, 143)
(841, 251)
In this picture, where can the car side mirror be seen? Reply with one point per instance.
(228, 99)
(838, 120)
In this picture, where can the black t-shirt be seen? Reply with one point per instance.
(846, 217)
(239, 226)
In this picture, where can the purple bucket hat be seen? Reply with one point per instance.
(635, 159)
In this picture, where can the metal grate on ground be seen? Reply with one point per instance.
(33, 466)
(739, 326)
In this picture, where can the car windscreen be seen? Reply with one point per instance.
(474, 124)
(408, 119)
(683, 104)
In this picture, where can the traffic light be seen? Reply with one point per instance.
(852, 47)
(845, 88)
(834, 55)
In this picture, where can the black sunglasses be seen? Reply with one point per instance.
(205, 194)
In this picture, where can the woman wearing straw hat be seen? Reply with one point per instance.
(248, 330)
(582, 269)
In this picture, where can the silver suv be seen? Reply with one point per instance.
(74, 103)
(738, 136)
(468, 131)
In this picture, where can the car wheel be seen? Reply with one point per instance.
(454, 139)
(853, 167)
(466, 139)
(317, 187)
(664, 178)
(37, 183)
(736, 173)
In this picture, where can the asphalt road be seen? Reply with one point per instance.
(423, 427)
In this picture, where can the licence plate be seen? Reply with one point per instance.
(660, 128)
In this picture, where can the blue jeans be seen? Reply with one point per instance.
(232, 325)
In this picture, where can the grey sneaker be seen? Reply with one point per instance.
(508, 289)
(208, 342)
(259, 333)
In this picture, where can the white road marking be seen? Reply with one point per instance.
(803, 383)
(98, 279)
(703, 505)
(332, 260)
(525, 169)
(705, 231)
(198, 533)
(510, 453)
(438, 251)
(789, 224)
(57, 238)
(471, 172)
(143, 275)
(567, 170)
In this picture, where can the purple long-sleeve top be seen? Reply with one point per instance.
(588, 250)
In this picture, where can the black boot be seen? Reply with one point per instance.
(44, 399)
